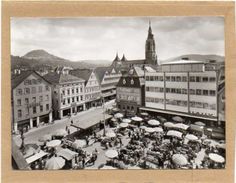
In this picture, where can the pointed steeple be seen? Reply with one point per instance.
(150, 35)
(117, 57)
(123, 58)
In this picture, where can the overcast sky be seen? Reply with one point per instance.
(100, 38)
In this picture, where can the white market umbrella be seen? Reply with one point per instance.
(113, 119)
(174, 133)
(144, 114)
(118, 115)
(169, 124)
(111, 134)
(191, 137)
(111, 153)
(216, 158)
(126, 120)
(124, 125)
(158, 129)
(53, 143)
(60, 132)
(181, 126)
(45, 138)
(79, 144)
(153, 122)
(149, 130)
(179, 159)
(199, 123)
(143, 127)
(55, 163)
(136, 118)
(178, 119)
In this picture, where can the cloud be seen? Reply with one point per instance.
(101, 38)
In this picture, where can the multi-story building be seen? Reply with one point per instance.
(130, 91)
(67, 93)
(31, 100)
(92, 87)
(188, 88)
(108, 78)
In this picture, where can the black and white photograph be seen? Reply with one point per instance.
(118, 93)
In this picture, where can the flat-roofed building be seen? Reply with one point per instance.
(31, 100)
(67, 93)
(189, 88)
(108, 78)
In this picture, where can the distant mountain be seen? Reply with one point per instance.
(196, 57)
(41, 58)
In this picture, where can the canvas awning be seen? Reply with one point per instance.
(67, 154)
(36, 157)
(92, 122)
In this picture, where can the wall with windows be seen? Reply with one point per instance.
(31, 98)
(128, 94)
(92, 88)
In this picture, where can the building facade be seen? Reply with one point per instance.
(67, 93)
(92, 90)
(108, 78)
(130, 91)
(188, 88)
(31, 100)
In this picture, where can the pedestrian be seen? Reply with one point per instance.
(83, 162)
(129, 134)
(120, 142)
(87, 140)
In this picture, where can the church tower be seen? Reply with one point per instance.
(150, 48)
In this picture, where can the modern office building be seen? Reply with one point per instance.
(108, 78)
(130, 91)
(188, 88)
(67, 92)
(92, 91)
(31, 100)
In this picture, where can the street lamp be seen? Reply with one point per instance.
(104, 122)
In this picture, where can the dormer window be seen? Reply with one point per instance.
(132, 81)
(124, 82)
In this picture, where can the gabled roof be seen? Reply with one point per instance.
(59, 78)
(130, 81)
(82, 73)
(19, 78)
(100, 72)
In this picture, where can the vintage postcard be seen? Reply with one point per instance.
(98, 92)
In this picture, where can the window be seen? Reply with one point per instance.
(27, 82)
(68, 101)
(40, 89)
(26, 101)
(73, 99)
(161, 78)
(212, 79)
(77, 90)
(167, 90)
(81, 98)
(198, 79)
(18, 101)
(192, 92)
(205, 79)
(73, 91)
(184, 79)
(27, 91)
(47, 107)
(184, 91)
(33, 90)
(172, 78)
(205, 92)
(19, 113)
(77, 99)
(199, 92)
(26, 111)
(19, 92)
(212, 92)
(63, 92)
(47, 97)
(34, 81)
(81, 90)
(151, 78)
(167, 78)
(41, 108)
(40, 98)
(34, 99)
(192, 79)
(132, 81)
(178, 78)
(47, 88)
(63, 101)
(68, 92)
(34, 110)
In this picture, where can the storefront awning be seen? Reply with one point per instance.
(36, 157)
(177, 113)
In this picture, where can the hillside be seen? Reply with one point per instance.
(40, 58)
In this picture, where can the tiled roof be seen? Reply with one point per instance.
(59, 78)
(82, 73)
(19, 78)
